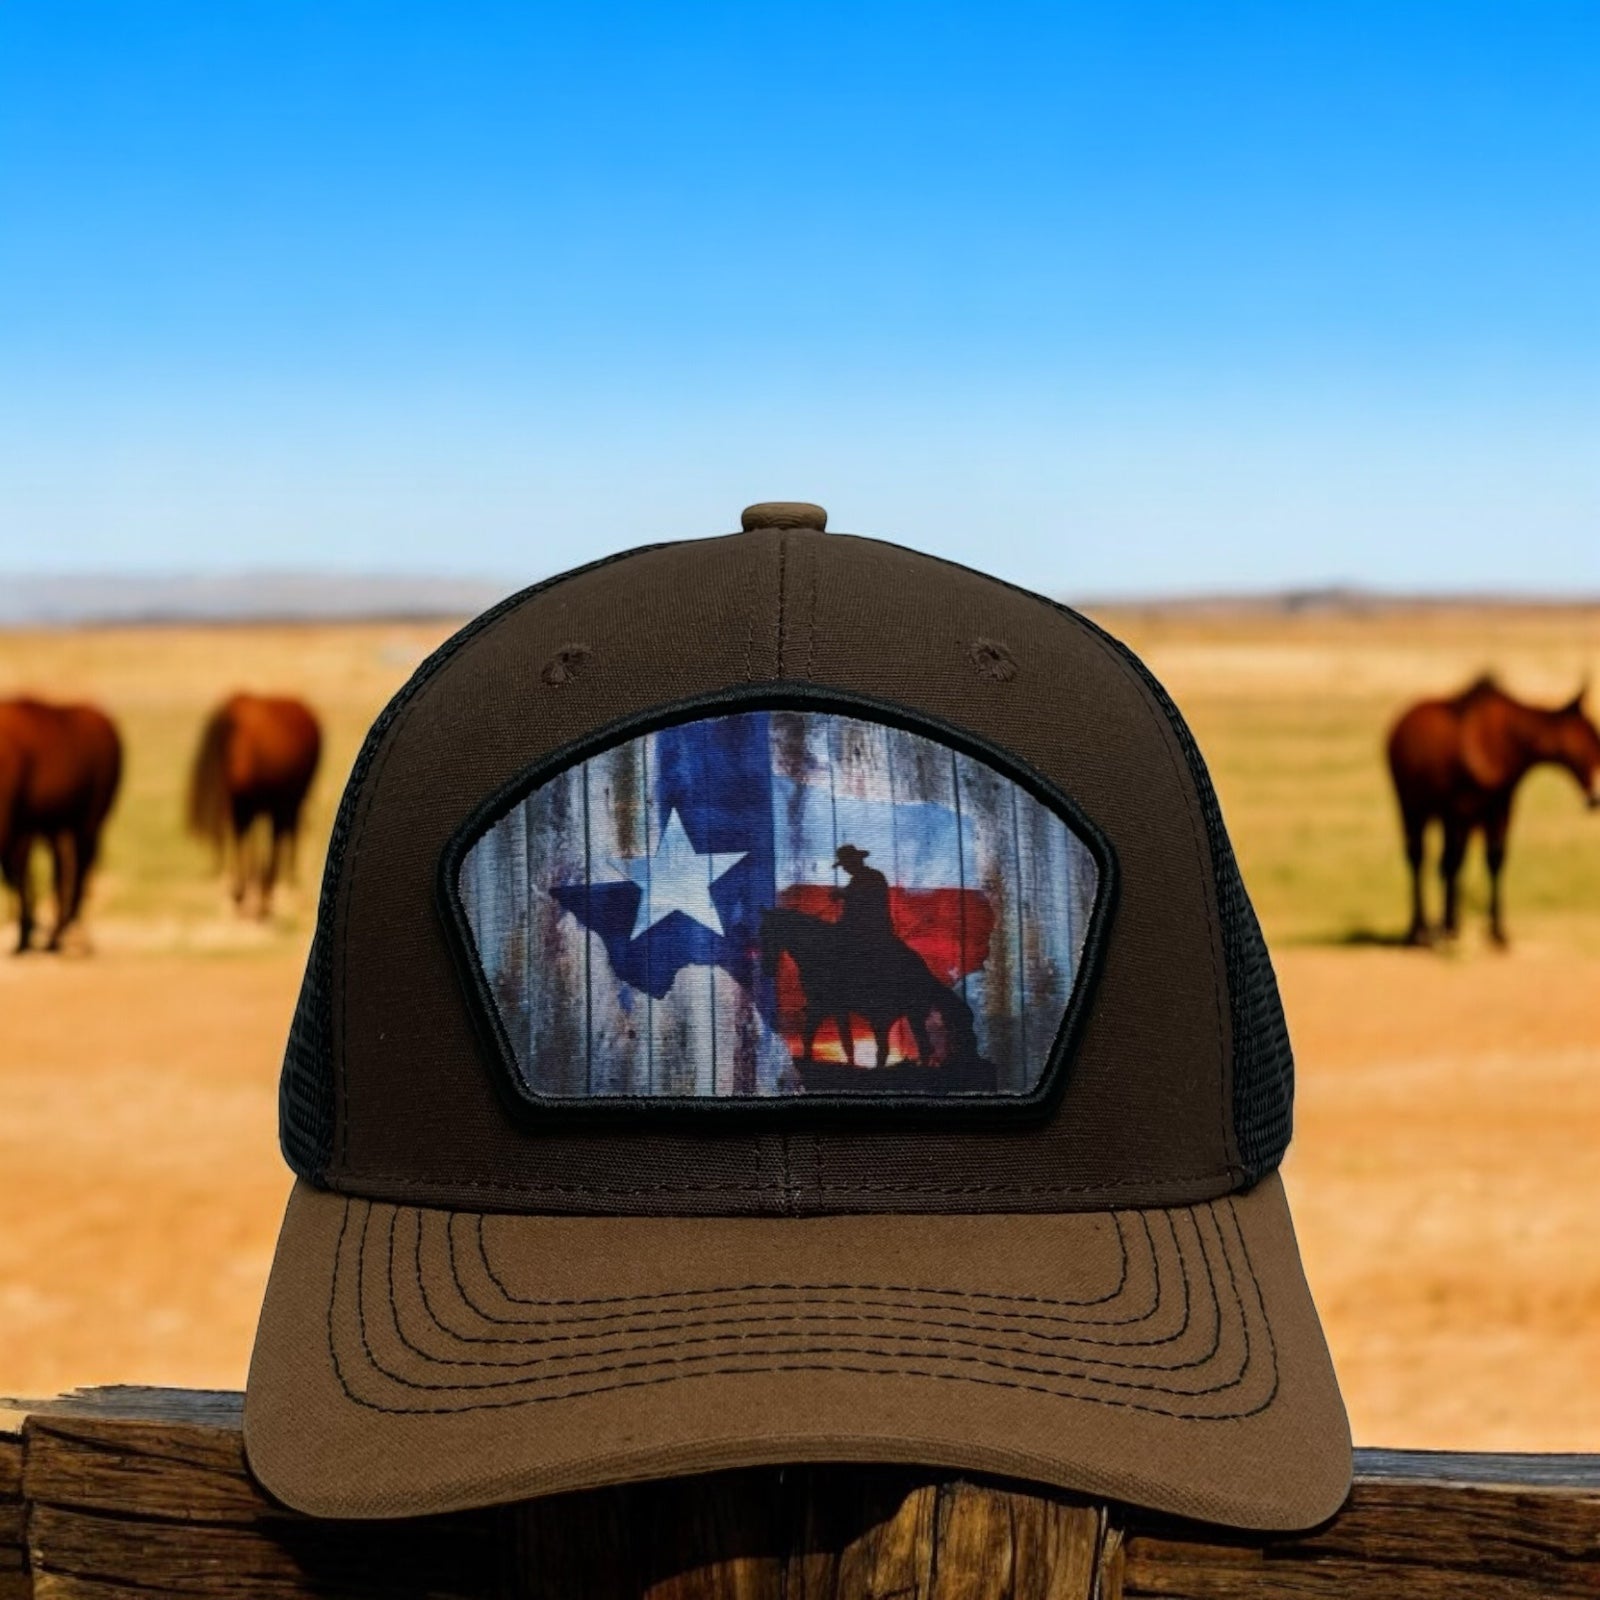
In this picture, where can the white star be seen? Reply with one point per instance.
(678, 878)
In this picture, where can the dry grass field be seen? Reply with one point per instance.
(1446, 1171)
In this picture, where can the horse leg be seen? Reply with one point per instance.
(68, 872)
(919, 1030)
(241, 861)
(86, 846)
(880, 1032)
(1494, 849)
(808, 1040)
(1456, 835)
(269, 870)
(15, 866)
(1416, 833)
(847, 1038)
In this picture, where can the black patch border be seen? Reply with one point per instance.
(774, 695)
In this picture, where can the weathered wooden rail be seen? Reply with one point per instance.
(112, 1494)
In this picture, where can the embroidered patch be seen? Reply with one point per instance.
(779, 903)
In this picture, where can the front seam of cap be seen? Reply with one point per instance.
(783, 561)
(812, 551)
(811, 625)
(790, 1199)
(775, 1185)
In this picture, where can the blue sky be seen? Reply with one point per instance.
(1116, 298)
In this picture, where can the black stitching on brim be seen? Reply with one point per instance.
(803, 1293)
(689, 1367)
(626, 1366)
(879, 1314)
(934, 1337)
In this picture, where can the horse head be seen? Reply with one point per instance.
(1578, 745)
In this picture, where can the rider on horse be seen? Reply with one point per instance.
(865, 916)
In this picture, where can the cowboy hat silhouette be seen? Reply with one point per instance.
(848, 856)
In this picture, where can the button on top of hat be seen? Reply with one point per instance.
(783, 514)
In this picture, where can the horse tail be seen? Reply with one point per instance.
(209, 811)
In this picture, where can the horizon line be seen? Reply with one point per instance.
(228, 596)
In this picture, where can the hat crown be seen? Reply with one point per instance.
(389, 1089)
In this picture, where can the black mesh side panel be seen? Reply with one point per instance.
(1263, 1070)
(1263, 1063)
(306, 1088)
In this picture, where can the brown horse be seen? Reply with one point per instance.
(256, 760)
(1459, 762)
(59, 770)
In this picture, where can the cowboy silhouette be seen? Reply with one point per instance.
(859, 967)
(864, 918)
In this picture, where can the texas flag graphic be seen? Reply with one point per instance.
(779, 902)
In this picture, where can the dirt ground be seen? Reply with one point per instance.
(1446, 1168)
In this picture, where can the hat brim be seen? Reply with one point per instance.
(412, 1361)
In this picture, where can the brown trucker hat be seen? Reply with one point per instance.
(783, 997)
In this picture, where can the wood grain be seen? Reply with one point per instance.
(112, 1494)
(15, 1584)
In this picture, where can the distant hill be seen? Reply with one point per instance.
(57, 600)
(1333, 600)
(53, 600)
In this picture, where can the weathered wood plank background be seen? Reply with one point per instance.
(989, 885)
(112, 1494)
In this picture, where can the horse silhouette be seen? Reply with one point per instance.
(1458, 762)
(256, 759)
(882, 980)
(59, 771)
